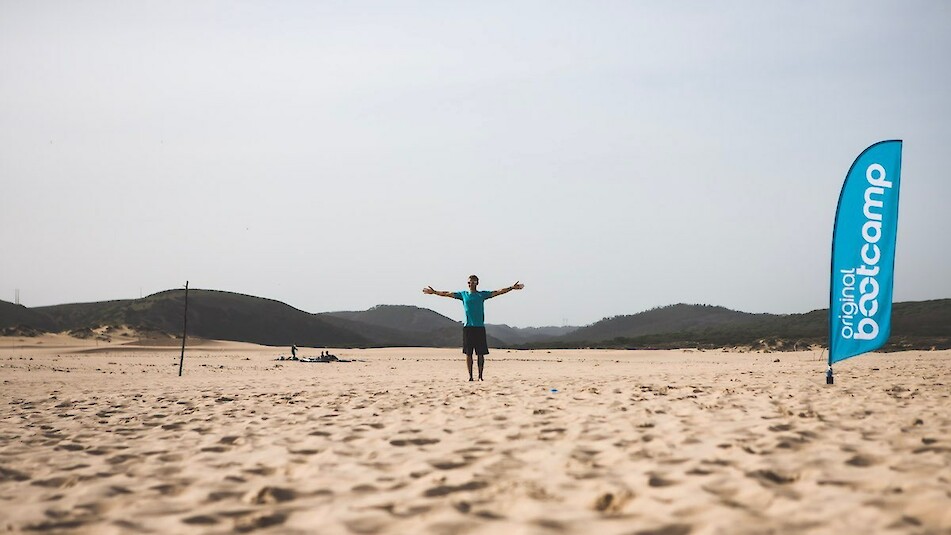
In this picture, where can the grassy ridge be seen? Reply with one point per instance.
(915, 325)
(231, 316)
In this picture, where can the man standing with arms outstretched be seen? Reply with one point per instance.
(473, 333)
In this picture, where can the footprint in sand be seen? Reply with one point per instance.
(671, 529)
(700, 471)
(259, 521)
(9, 474)
(443, 490)
(551, 433)
(200, 520)
(56, 482)
(610, 502)
(220, 495)
(260, 470)
(448, 465)
(171, 489)
(862, 461)
(119, 459)
(268, 495)
(69, 468)
(657, 481)
(773, 477)
(368, 524)
(306, 451)
(414, 442)
(404, 511)
(56, 525)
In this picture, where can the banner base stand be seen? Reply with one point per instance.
(829, 379)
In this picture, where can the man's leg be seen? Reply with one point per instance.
(469, 364)
(481, 365)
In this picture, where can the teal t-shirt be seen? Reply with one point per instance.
(473, 303)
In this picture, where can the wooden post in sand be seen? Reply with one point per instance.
(181, 361)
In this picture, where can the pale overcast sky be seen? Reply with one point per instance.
(613, 156)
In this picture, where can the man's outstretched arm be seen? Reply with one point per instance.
(429, 291)
(516, 286)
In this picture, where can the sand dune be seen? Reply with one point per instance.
(106, 439)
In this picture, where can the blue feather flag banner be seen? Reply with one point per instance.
(863, 253)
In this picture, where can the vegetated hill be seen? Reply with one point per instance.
(404, 325)
(75, 316)
(439, 330)
(230, 316)
(668, 319)
(211, 314)
(399, 318)
(374, 334)
(525, 335)
(19, 317)
(920, 325)
(915, 325)
(380, 336)
(398, 325)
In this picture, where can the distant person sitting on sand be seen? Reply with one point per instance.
(473, 333)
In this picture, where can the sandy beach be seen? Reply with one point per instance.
(100, 437)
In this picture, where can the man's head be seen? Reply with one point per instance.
(473, 282)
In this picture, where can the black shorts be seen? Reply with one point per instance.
(473, 340)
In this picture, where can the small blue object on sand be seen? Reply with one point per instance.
(554, 390)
